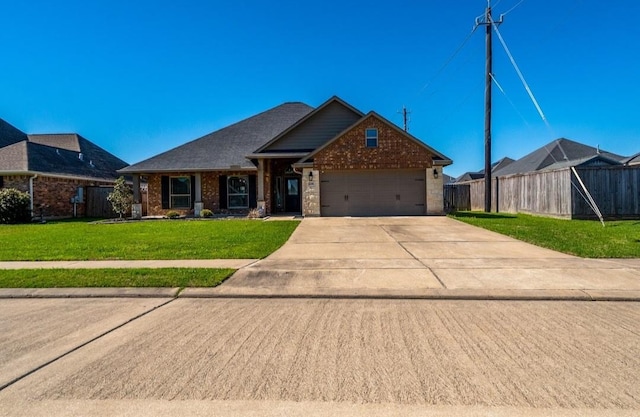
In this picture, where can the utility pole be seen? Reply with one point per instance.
(488, 22)
(405, 120)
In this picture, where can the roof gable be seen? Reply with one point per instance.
(315, 129)
(557, 151)
(438, 158)
(10, 134)
(14, 157)
(225, 148)
(68, 141)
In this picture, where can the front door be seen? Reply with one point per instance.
(292, 194)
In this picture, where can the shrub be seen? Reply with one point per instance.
(121, 197)
(206, 213)
(254, 213)
(172, 214)
(14, 206)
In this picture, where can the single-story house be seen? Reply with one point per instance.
(552, 179)
(476, 175)
(333, 160)
(55, 169)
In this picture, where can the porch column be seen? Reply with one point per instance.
(136, 189)
(261, 200)
(198, 206)
(136, 207)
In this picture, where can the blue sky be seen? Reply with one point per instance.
(141, 77)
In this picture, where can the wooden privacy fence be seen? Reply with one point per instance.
(97, 203)
(615, 189)
(456, 197)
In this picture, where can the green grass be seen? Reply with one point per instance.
(585, 238)
(144, 240)
(143, 277)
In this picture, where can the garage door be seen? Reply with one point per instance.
(373, 193)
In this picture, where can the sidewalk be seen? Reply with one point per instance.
(391, 257)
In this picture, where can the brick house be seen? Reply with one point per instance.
(333, 160)
(55, 169)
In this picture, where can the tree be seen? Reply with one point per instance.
(14, 206)
(121, 197)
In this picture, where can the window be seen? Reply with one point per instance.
(371, 138)
(180, 192)
(238, 192)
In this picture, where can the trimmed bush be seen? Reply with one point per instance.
(14, 206)
(206, 213)
(172, 214)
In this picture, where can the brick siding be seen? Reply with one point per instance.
(394, 151)
(52, 195)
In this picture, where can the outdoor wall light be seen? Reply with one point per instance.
(310, 175)
(435, 173)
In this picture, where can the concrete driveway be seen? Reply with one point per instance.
(424, 257)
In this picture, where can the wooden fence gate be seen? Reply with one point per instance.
(457, 197)
(97, 204)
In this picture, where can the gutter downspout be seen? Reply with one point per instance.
(31, 192)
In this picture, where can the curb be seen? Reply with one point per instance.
(434, 294)
(150, 292)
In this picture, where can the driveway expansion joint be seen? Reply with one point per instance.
(80, 346)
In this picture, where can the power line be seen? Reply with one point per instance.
(448, 61)
(511, 9)
(522, 79)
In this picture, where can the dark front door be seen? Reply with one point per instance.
(292, 194)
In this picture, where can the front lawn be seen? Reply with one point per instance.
(141, 277)
(585, 238)
(143, 240)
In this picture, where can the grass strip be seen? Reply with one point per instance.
(113, 277)
(584, 238)
(143, 240)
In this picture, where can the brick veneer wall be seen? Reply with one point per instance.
(209, 185)
(394, 150)
(52, 194)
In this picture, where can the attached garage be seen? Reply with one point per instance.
(373, 193)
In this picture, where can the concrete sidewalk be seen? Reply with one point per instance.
(389, 257)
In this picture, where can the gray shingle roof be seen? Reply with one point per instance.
(227, 147)
(560, 150)
(10, 134)
(60, 154)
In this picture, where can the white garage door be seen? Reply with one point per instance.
(373, 193)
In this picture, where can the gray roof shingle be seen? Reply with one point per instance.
(226, 148)
(60, 154)
(10, 134)
(559, 150)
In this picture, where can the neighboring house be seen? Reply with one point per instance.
(552, 179)
(333, 160)
(470, 176)
(55, 169)
(632, 160)
(560, 153)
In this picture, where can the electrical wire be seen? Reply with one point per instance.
(511, 9)
(515, 66)
(508, 99)
(448, 61)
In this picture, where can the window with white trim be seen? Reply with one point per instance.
(238, 192)
(371, 137)
(180, 192)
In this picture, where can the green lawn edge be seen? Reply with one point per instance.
(82, 240)
(114, 277)
(583, 238)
